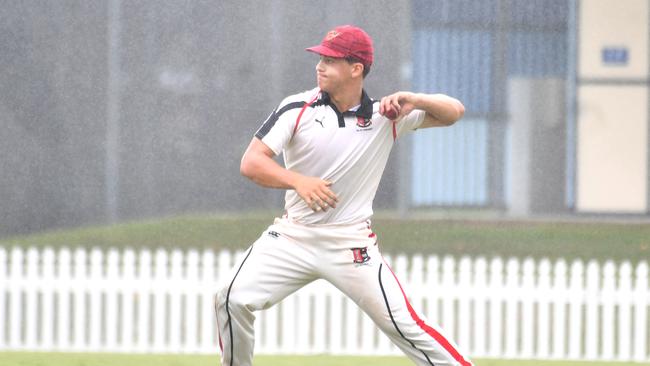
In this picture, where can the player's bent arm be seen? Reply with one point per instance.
(441, 110)
(258, 165)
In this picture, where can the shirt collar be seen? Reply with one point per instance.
(364, 110)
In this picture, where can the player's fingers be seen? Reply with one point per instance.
(319, 203)
(314, 206)
(329, 201)
(382, 106)
(394, 103)
(390, 104)
(327, 193)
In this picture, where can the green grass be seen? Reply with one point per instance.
(103, 359)
(617, 241)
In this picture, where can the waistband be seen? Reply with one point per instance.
(353, 232)
(365, 223)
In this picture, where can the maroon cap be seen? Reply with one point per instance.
(346, 41)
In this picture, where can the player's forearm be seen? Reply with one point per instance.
(444, 109)
(264, 171)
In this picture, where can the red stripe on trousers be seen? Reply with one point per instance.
(430, 331)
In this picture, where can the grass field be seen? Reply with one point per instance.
(90, 359)
(617, 241)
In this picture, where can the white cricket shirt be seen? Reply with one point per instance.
(350, 149)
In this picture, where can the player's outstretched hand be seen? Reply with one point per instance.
(396, 105)
(316, 193)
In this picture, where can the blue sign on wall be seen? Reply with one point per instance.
(615, 56)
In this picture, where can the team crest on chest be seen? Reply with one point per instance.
(364, 123)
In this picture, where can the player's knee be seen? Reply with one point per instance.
(230, 297)
(220, 298)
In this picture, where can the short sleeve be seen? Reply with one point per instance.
(277, 129)
(410, 122)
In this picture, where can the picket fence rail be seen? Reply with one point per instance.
(162, 301)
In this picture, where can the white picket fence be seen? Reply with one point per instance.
(162, 302)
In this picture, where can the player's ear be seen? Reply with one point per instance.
(357, 69)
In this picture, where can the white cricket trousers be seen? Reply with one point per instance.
(287, 256)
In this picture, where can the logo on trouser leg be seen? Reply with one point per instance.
(360, 255)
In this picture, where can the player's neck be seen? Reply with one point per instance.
(346, 98)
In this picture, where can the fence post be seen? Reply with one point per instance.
(607, 294)
(480, 304)
(4, 289)
(159, 286)
(113, 285)
(448, 301)
(175, 291)
(63, 290)
(543, 294)
(464, 298)
(47, 300)
(512, 312)
(31, 298)
(96, 287)
(416, 283)
(560, 300)
(528, 298)
(80, 290)
(130, 285)
(625, 300)
(577, 299)
(433, 283)
(496, 307)
(192, 293)
(641, 299)
(144, 291)
(15, 298)
(593, 302)
(209, 331)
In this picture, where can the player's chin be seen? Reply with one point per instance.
(323, 84)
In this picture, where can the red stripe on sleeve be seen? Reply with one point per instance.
(295, 127)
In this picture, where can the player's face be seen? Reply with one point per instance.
(332, 73)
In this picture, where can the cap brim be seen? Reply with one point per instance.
(325, 51)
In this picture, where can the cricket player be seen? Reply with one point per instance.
(336, 141)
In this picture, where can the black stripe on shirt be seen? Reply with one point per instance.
(270, 121)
